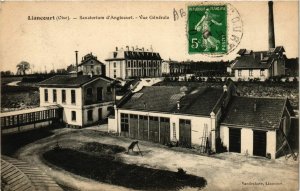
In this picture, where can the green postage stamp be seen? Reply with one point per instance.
(207, 29)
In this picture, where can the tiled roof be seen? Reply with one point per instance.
(135, 55)
(67, 81)
(193, 101)
(89, 57)
(256, 60)
(249, 59)
(267, 114)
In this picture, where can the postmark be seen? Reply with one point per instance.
(213, 29)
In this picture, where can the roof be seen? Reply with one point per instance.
(249, 59)
(134, 55)
(87, 58)
(18, 112)
(267, 114)
(70, 81)
(193, 101)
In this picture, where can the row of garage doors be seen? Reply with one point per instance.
(155, 129)
(259, 141)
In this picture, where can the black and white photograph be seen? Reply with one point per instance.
(149, 95)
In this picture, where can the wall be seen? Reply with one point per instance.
(68, 106)
(255, 74)
(95, 113)
(197, 123)
(107, 96)
(247, 141)
(78, 93)
(271, 143)
(120, 69)
(224, 135)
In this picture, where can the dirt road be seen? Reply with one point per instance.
(226, 171)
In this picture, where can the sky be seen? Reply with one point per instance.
(50, 45)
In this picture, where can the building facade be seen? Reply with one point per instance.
(260, 64)
(85, 99)
(256, 126)
(126, 64)
(188, 116)
(90, 65)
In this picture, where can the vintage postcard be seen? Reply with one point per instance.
(140, 95)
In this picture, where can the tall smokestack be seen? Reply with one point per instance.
(76, 55)
(271, 26)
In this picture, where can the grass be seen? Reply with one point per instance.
(110, 169)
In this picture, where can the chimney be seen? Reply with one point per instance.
(261, 56)
(271, 26)
(132, 48)
(76, 55)
(116, 48)
(127, 48)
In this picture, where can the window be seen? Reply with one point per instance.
(99, 93)
(92, 66)
(73, 97)
(185, 122)
(89, 92)
(124, 122)
(128, 64)
(115, 73)
(167, 120)
(134, 63)
(46, 95)
(54, 96)
(262, 72)
(99, 114)
(250, 72)
(115, 64)
(239, 72)
(73, 113)
(90, 115)
(63, 96)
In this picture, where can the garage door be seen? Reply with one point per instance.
(143, 127)
(153, 129)
(185, 133)
(164, 130)
(259, 143)
(133, 126)
(234, 140)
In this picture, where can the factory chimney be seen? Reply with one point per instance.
(271, 26)
(76, 55)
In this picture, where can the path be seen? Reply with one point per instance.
(224, 171)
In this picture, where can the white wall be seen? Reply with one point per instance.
(247, 141)
(255, 74)
(197, 123)
(78, 94)
(224, 135)
(95, 113)
(271, 143)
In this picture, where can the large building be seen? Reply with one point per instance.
(127, 63)
(173, 67)
(85, 99)
(210, 119)
(189, 116)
